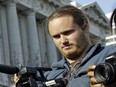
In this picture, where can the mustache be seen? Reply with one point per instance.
(66, 45)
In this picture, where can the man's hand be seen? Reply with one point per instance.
(16, 78)
(93, 82)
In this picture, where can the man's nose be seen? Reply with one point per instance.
(64, 39)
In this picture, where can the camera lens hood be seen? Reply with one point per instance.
(104, 73)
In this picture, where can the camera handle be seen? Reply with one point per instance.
(28, 82)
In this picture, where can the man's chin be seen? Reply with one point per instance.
(68, 55)
(71, 55)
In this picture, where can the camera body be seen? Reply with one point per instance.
(34, 83)
(105, 73)
(29, 78)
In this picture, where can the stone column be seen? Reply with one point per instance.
(34, 51)
(4, 33)
(14, 34)
(4, 81)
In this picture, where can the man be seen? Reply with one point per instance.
(69, 29)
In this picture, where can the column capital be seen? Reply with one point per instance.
(9, 2)
(29, 12)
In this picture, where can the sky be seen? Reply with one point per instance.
(106, 5)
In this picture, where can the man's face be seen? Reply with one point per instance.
(69, 38)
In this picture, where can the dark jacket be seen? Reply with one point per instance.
(95, 55)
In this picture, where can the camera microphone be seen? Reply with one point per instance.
(8, 69)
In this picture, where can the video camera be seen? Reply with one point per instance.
(29, 76)
(105, 73)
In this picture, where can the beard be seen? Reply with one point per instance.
(73, 52)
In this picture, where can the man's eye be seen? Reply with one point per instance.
(69, 32)
(56, 36)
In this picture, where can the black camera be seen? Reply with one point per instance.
(29, 78)
(32, 76)
(105, 73)
(35, 83)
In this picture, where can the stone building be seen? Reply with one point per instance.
(99, 24)
(24, 38)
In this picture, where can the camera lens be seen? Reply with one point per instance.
(104, 73)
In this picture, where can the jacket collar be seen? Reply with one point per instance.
(63, 63)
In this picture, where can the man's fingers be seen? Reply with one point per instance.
(16, 78)
(93, 80)
(91, 67)
(97, 85)
(90, 73)
(94, 83)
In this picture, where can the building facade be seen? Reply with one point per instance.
(99, 24)
(24, 38)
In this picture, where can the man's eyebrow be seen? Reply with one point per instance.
(68, 31)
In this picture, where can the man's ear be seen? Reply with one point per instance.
(85, 25)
